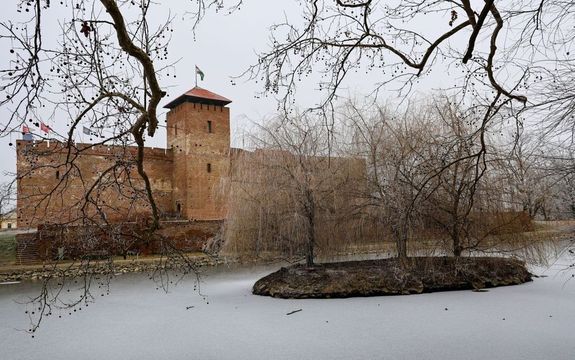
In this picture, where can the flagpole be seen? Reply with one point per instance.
(196, 72)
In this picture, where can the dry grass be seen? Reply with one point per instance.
(7, 249)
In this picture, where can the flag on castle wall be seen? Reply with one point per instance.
(26, 134)
(45, 128)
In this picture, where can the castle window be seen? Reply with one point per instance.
(209, 168)
(57, 175)
(178, 208)
(209, 126)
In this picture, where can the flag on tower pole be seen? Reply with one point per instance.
(199, 72)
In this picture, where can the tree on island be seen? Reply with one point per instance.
(460, 178)
(392, 149)
(293, 195)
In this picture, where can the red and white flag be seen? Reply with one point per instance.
(25, 129)
(45, 128)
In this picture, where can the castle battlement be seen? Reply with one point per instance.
(56, 146)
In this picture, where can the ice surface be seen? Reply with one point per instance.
(530, 321)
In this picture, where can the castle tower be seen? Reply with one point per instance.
(199, 134)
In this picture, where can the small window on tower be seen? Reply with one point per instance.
(209, 126)
(209, 168)
(57, 175)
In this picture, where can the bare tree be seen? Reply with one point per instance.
(553, 164)
(7, 199)
(429, 174)
(531, 181)
(292, 191)
(565, 207)
(394, 41)
(459, 174)
(398, 169)
(104, 69)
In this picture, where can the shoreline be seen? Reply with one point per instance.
(33, 272)
(36, 272)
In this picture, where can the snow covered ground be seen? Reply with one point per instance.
(530, 321)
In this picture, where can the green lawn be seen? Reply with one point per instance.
(7, 248)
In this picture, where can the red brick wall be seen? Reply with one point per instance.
(116, 240)
(53, 181)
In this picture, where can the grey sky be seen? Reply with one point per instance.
(224, 46)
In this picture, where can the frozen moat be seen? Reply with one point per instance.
(530, 321)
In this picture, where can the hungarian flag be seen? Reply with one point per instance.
(25, 129)
(45, 128)
(200, 72)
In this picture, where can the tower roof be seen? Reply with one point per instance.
(199, 96)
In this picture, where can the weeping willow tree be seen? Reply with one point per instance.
(294, 196)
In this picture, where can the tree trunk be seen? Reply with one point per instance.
(310, 212)
(309, 256)
(401, 242)
(402, 248)
(457, 249)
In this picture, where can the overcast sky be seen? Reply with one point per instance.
(223, 47)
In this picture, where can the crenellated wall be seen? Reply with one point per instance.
(60, 184)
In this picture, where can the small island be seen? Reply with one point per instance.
(414, 275)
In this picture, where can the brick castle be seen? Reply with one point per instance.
(185, 177)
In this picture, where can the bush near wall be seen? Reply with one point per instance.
(7, 248)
